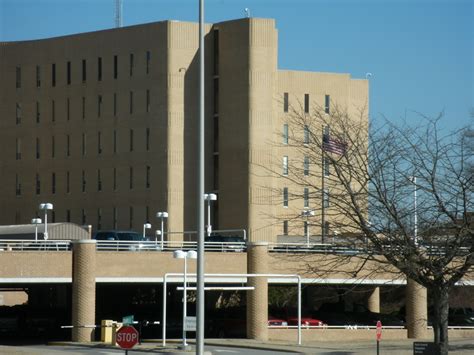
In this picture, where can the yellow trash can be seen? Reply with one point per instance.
(106, 333)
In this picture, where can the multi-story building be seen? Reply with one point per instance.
(103, 125)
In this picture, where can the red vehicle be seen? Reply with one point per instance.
(305, 322)
(272, 321)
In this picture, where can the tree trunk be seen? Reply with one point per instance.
(440, 318)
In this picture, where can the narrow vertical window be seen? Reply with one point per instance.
(84, 141)
(147, 182)
(18, 77)
(285, 227)
(326, 227)
(83, 176)
(131, 178)
(53, 111)
(115, 105)
(285, 165)
(131, 140)
(147, 139)
(115, 179)
(84, 71)
(99, 181)
(285, 102)
(53, 147)
(131, 64)
(83, 216)
(115, 67)
(327, 103)
(18, 113)
(115, 141)
(306, 134)
(83, 108)
(38, 184)
(68, 145)
(131, 217)
(147, 100)
(53, 75)
(99, 218)
(53, 183)
(99, 143)
(285, 133)
(305, 228)
(148, 59)
(306, 166)
(68, 182)
(68, 109)
(285, 197)
(131, 102)
(306, 197)
(99, 69)
(38, 112)
(115, 218)
(18, 149)
(17, 186)
(37, 148)
(99, 105)
(38, 76)
(69, 73)
(68, 215)
(306, 103)
(326, 198)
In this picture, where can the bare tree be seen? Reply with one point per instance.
(403, 192)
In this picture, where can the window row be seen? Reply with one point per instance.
(84, 66)
(306, 225)
(85, 178)
(286, 103)
(39, 107)
(306, 165)
(306, 197)
(100, 145)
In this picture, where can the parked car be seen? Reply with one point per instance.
(461, 317)
(225, 243)
(123, 240)
(291, 317)
(273, 321)
(119, 235)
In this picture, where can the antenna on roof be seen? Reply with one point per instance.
(118, 13)
(247, 12)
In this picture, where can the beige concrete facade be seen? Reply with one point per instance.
(112, 140)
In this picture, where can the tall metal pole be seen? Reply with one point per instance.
(323, 214)
(45, 235)
(162, 232)
(200, 192)
(416, 215)
(185, 300)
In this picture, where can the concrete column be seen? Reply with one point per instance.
(416, 310)
(83, 289)
(257, 300)
(373, 303)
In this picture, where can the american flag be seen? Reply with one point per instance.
(333, 145)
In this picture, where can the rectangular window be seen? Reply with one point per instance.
(147, 100)
(99, 69)
(285, 197)
(53, 111)
(37, 148)
(84, 71)
(38, 112)
(147, 139)
(18, 149)
(18, 113)
(83, 181)
(17, 185)
(83, 108)
(148, 173)
(131, 102)
(306, 135)
(115, 218)
(131, 178)
(68, 182)
(37, 184)
(131, 64)
(305, 228)
(131, 217)
(99, 143)
(326, 166)
(84, 142)
(53, 75)
(306, 166)
(285, 102)
(285, 165)
(148, 59)
(115, 105)
(69, 73)
(327, 102)
(306, 103)
(53, 147)
(131, 140)
(306, 197)
(285, 227)
(68, 215)
(99, 105)
(83, 216)
(53, 183)
(115, 67)
(115, 141)
(18, 77)
(99, 181)
(285, 133)
(115, 179)
(38, 76)
(326, 198)
(68, 145)
(68, 109)
(99, 218)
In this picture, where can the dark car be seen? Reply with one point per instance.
(119, 235)
(461, 317)
(122, 240)
(225, 243)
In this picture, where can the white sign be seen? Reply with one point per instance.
(190, 324)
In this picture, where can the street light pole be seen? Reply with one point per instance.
(162, 215)
(146, 226)
(36, 221)
(46, 206)
(209, 198)
(307, 213)
(416, 214)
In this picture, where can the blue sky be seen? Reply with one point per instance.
(420, 52)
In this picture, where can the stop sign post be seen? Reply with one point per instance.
(378, 334)
(127, 337)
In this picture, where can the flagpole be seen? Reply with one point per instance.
(322, 189)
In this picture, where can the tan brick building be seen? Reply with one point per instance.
(103, 125)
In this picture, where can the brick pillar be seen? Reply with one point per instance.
(416, 310)
(257, 300)
(83, 289)
(373, 303)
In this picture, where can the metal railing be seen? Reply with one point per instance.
(32, 245)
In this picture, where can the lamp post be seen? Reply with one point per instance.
(162, 215)
(45, 207)
(36, 221)
(307, 213)
(415, 218)
(179, 254)
(158, 233)
(209, 198)
(145, 227)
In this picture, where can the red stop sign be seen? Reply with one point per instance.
(127, 337)
(379, 330)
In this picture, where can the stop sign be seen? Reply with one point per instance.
(127, 337)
